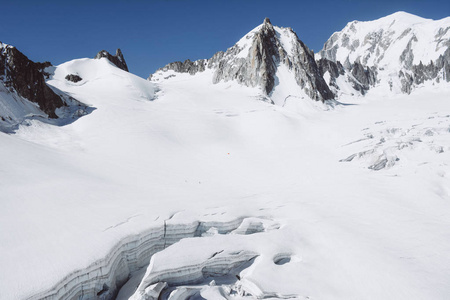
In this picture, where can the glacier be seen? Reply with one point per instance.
(182, 186)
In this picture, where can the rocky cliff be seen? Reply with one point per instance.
(25, 78)
(355, 77)
(24, 94)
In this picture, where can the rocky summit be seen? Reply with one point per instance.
(255, 61)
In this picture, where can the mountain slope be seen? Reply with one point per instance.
(405, 50)
(267, 57)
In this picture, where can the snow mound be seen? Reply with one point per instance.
(101, 78)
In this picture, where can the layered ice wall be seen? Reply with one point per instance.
(189, 262)
(216, 265)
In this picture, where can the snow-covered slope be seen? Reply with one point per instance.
(199, 189)
(404, 49)
(25, 96)
(258, 188)
(382, 42)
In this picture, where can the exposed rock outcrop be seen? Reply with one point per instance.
(360, 78)
(418, 74)
(118, 60)
(188, 66)
(26, 78)
(258, 67)
(73, 77)
(364, 75)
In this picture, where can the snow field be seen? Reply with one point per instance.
(200, 152)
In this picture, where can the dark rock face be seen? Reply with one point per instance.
(265, 55)
(443, 63)
(191, 67)
(406, 80)
(364, 75)
(118, 60)
(362, 78)
(418, 74)
(307, 73)
(258, 68)
(334, 68)
(73, 77)
(27, 79)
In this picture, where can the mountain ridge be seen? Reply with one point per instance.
(396, 53)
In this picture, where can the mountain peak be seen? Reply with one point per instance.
(268, 52)
(403, 49)
(260, 59)
(404, 17)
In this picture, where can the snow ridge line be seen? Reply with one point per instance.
(103, 278)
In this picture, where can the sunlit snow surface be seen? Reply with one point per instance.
(187, 150)
(382, 42)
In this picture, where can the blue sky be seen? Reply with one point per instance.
(154, 33)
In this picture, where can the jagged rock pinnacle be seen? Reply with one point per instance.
(117, 59)
(267, 21)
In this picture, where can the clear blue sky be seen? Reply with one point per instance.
(154, 33)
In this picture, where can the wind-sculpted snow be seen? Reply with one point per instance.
(102, 279)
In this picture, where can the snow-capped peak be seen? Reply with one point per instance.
(260, 59)
(404, 49)
(402, 17)
(383, 42)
